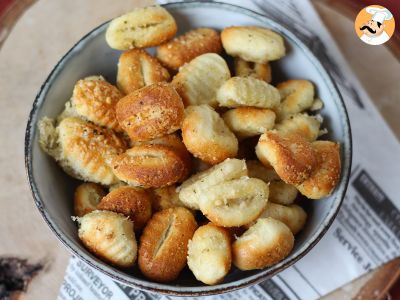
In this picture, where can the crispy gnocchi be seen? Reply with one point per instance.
(326, 174)
(197, 82)
(292, 156)
(247, 91)
(174, 142)
(191, 190)
(149, 166)
(206, 135)
(94, 99)
(163, 244)
(137, 69)
(234, 203)
(279, 191)
(252, 43)
(230, 154)
(86, 198)
(264, 244)
(249, 121)
(209, 254)
(182, 49)
(109, 236)
(132, 202)
(293, 216)
(297, 96)
(150, 112)
(246, 68)
(82, 149)
(282, 193)
(165, 197)
(141, 28)
(302, 124)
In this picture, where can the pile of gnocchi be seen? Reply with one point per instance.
(184, 164)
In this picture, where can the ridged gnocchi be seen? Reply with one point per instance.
(109, 236)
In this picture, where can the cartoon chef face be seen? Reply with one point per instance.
(372, 28)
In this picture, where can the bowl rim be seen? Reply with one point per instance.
(205, 290)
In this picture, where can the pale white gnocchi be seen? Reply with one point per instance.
(248, 91)
(191, 190)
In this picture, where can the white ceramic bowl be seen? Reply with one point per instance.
(53, 190)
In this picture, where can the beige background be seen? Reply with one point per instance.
(43, 34)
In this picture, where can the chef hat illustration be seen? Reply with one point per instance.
(379, 14)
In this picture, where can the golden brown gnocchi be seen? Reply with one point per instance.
(326, 174)
(141, 28)
(82, 149)
(249, 121)
(150, 112)
(292, 156)
(246, 68)
(163, 244)
(94, 99)
(132, 202)
(87, 197)
(282, 193)
(165, 197)
(206, 135)
(265, 243)
(209, 254)
(174, 142)
(186, 47)
(109, 236)
(293, 216)
(302, 124)
(137, 68)
(297, 96)
(245, 205)
(149, 166)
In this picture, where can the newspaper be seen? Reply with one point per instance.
(366, 232)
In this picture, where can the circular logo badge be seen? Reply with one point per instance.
(374, 25)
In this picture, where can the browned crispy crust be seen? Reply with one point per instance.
(175, 143)
(206, 135)
(132, 202)
(87, 150)
(149, 166)
(163, 244)
(95, 100)
(184, 48)
(292, 156)
(137, 68)
(86, 198)
(150, 112)
(249, 255)
(326, 174)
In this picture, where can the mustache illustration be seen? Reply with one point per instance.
(368, 28)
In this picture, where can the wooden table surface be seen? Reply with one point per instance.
(43, 33)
